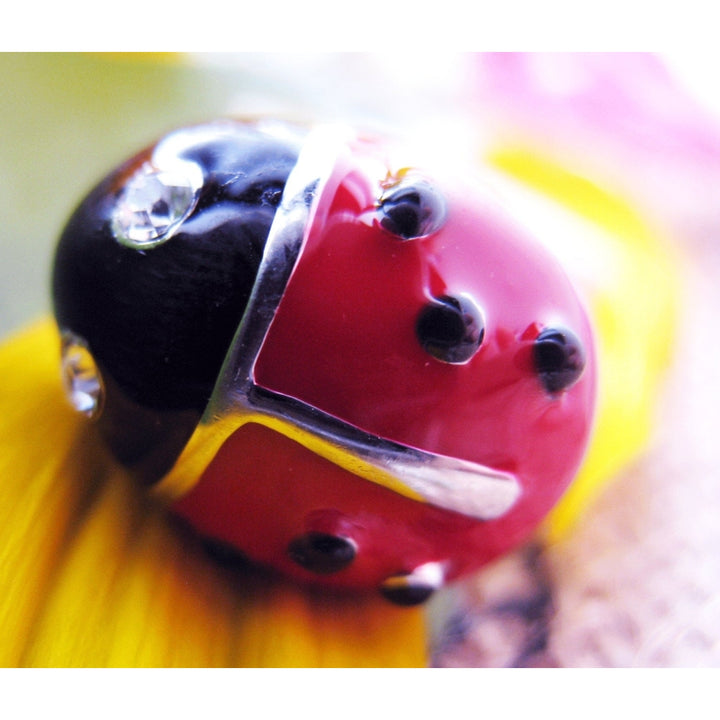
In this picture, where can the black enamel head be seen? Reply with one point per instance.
(154, 269)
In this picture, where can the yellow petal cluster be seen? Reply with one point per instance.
(92, 574)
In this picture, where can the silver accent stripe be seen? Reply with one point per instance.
(458, 485)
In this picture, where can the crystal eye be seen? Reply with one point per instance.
(451, 329)
(411, 209)
(559, 359)
(81, 377)
(154, 203)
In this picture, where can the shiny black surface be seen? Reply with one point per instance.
(559, 359)
(322, 553)
(159, 321)
(412, 209)
(451, 329)
(407, 595)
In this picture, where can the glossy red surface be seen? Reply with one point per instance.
(344, 341)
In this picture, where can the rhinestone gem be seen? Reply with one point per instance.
(81, 378)
(154, 203)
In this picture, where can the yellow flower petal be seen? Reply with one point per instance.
(93, 574)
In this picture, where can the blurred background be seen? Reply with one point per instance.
(69, 118)
(636, 583)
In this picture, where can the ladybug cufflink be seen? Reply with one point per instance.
(365, 376)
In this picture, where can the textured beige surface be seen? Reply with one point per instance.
(637, 583)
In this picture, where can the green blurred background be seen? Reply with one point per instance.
(67, 119)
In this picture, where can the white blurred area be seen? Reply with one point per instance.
(697, 73)
(452, 106)
(409, 86)
(413, 95)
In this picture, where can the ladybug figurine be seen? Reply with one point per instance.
(361, 374)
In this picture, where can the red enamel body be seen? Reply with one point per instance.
(344, 340)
